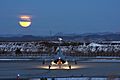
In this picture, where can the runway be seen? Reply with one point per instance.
(35, 69)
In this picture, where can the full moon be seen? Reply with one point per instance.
(25, 21)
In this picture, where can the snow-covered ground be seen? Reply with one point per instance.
(36, 46)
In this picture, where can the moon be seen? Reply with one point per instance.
(25, 21)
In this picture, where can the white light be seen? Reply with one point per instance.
(18, 75)
(60, 39)
(59, 57)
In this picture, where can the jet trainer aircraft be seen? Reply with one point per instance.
(59, 59)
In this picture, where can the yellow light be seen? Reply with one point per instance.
(62, 67)
(24, 23)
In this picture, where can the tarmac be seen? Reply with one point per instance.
(35, 69)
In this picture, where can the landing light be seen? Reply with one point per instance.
(59, 57)
(62, 67)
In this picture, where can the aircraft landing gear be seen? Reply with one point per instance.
(49, 66)
(69, 66)
(59, 66)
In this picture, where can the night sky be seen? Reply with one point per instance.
(66, 16)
